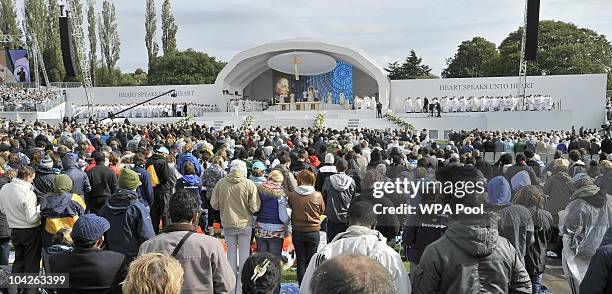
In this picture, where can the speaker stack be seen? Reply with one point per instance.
(68, 55)
(533, 22)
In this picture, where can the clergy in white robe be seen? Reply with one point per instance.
(463, 104)
(477, 103)
(341, 99)
(408, 105)
(548, 102)
(418, 105)
(454, 104)
(445, 104)
(484, 106)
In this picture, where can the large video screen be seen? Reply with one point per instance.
(338, 81)
(14, 66)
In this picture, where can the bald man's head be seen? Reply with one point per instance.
(350, 274)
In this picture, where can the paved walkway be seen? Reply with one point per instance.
(553, 277)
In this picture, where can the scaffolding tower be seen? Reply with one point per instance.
(76, 18)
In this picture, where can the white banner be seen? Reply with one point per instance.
(583, 94)
(202, 94)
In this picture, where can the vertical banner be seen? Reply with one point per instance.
(282, 87)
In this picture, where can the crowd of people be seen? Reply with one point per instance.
(479, 104)
(29, 99)
(149, 110)
(111, 204)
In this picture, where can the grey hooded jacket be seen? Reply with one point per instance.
(80, 181)
(338, 192)
(471, 258)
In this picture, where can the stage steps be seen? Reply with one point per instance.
(218, 124)
(353, 123)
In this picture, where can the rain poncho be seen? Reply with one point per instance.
(587, 219)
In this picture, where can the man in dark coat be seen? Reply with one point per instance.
(129, 217)
(90, 269)
(598, 278)
(163, 190)
(45, 177)
(145, 190)
(606, 145)
(103, 183)
(80, 181)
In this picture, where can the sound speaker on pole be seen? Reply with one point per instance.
(67, 47)
(533, 22)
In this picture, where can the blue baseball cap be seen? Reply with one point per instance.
(259, 165)
(89, 227)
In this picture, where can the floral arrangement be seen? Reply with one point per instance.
(248, 121)
(319, 120)
(185, 120)
(390, 116)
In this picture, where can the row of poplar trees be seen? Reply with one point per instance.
(41, 18)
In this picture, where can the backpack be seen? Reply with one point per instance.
(153, 173)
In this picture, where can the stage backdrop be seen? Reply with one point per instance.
(582, 94)
(340, 80)
(14, 66)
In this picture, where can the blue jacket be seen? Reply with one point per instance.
(146, 189)
(188, 157)
(273, 208)
(192, 184)
(130, 223)
(80, 181)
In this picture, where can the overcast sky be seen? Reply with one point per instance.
(385, 29)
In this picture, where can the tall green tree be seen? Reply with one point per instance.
(169, 29)
(110, 45)
(474, 58)
(52, 53)
(93, 38)
(411, 68)
(9, 24)
(184, 68)
(150, 30)
(563, 48)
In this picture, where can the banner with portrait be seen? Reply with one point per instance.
(282, 87)
(14, 66)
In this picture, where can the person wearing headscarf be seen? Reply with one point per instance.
(587, 218)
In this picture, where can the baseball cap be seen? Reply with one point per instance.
(89, 227)
(161, 149)
(259, 165)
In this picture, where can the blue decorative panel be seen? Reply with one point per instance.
(340, 80)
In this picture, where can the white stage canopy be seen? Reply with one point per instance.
(302, 63)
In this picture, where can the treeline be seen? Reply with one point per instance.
(171, 66)
(563, 48)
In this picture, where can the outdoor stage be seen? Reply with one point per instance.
(340, 119)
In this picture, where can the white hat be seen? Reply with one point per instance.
(329, 158)
(239, 165)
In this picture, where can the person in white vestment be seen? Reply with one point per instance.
(445, 104)
(408, 105)
(454, 104)
(418, 105)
